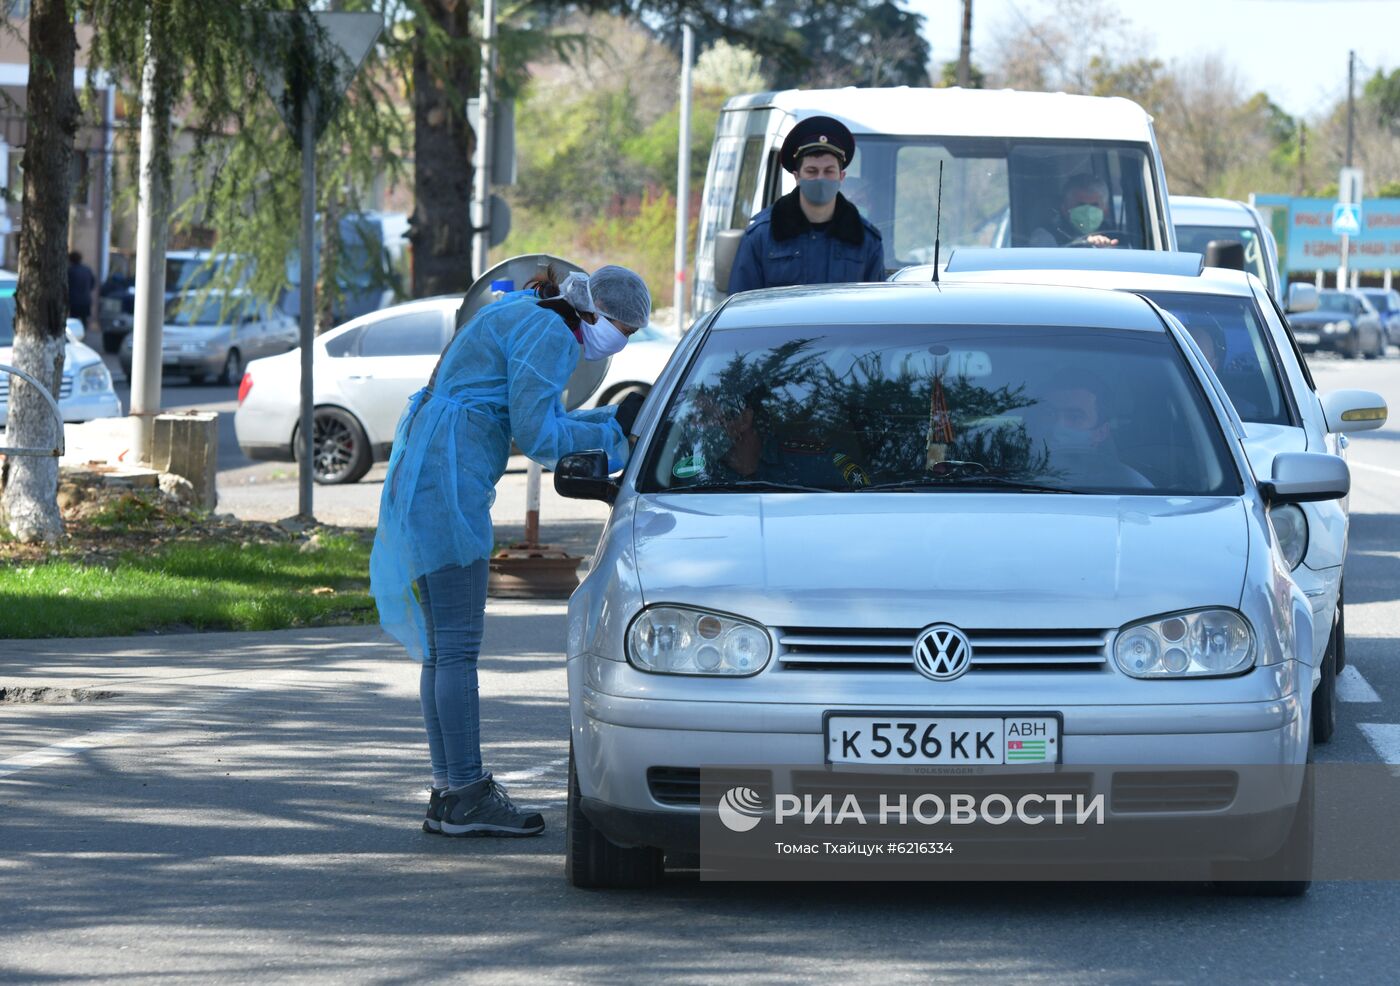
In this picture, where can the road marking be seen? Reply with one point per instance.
(1384, 738)
(521, 776)
(1367, 466)
(1351, 687)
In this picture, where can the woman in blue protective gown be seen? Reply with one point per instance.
(501, 378)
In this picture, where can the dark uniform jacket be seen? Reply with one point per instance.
(781, 248)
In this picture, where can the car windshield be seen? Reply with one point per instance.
(1382, 300)
(999, 193)
(184, 274)
(213, 310)
(1195, 239)
(1334, 301)
(913, 407)
(1231, 334)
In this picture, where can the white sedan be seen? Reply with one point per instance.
(365, 372)
(85, 391)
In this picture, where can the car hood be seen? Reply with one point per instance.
(75, 357)
(907, 560)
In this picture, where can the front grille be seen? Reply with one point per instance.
(869, 788)
(64, 389)
(680, 786)
(1173, 790)
(846, 649)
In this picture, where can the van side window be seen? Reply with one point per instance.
(750, 165)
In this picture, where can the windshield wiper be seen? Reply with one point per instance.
(964, 482)
(751, 486)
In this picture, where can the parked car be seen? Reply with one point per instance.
(85, 389)
(215, 334)
(1387, 305)
(1005, 157)
(1198, 221)
(1344, 322)
(364, 372)
(825, 476)
(1243, 336)
(635, 369)
(186, 271)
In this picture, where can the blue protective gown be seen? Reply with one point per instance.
(501, 376)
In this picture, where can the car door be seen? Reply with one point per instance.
(395, 357)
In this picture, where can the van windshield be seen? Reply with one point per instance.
(1003, 192)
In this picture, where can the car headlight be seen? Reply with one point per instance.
(1199, 644)
(1337, 327)
(1291, 530)
(676, 640)
(94, 379)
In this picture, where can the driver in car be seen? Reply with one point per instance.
(1083, 209)
(755, 452)
(1081, 436)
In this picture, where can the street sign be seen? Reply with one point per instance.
(309, 60)
(1349, 185)
(1346, 219)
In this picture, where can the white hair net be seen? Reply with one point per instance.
(621, 295)
(574, 290)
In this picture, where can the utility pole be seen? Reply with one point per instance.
(485, 97)
(149, 317)
(965, 50)
(1351, 104)
(683, 174)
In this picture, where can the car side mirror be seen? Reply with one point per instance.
(584, 476)
(1303, 477)
(1225, 253)
(1348, 411)
(1301, 298)
(726, 249)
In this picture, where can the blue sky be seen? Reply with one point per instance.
(1296, 50)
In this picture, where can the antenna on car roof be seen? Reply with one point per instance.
(938, 222)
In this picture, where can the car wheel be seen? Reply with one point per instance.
(341, 453)
(112, 341)
(593, 861)
(233, 367)
(1324, 704)
(620, 393)
(1341, 641)
(1288, 872)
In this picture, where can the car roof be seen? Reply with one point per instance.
(963, 112)
(1194, 210)
(967, 259)
(965, 303)
(1211, 280)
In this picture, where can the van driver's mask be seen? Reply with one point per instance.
(1086, 218)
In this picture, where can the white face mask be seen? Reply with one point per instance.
(601, 339)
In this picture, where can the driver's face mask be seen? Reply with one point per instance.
(1086, 218)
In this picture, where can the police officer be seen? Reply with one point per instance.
(813, 234)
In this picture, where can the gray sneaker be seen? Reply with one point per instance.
(432, 822)
(484, 808)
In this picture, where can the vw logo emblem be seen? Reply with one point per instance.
(942, 652)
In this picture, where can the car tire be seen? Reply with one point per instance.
(592, 861)
(233, 368)
(1341, 631)
(619, 393)
(1288, 872)
(1324, 703)
(112, 341)
(348, 457)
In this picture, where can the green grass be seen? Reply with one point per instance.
(200, 586)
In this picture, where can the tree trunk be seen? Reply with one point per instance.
(41, 301)
(327, 291)
(443, 76)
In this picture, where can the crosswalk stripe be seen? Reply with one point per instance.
(1351, 687)
(1370, 468)
(1384, 738)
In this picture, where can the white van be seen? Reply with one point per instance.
(1199, 222)
(1006, 156)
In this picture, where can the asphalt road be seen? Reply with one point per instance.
(245, 808)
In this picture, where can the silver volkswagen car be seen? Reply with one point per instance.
(1014, 512)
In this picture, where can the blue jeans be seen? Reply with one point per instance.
(454, 609)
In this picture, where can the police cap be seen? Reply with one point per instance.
(817, 135)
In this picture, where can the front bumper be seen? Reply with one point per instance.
(618, 740)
